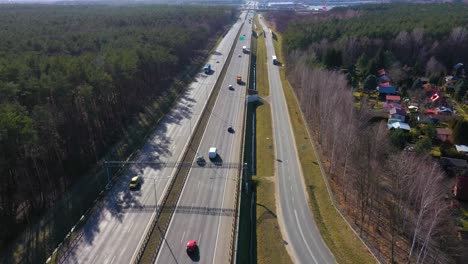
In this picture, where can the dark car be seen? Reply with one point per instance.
(231, 130)
(231, 87)
(201, 160)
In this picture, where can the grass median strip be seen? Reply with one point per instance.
(342, 241)
(261, 66)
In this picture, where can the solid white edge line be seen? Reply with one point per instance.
(303, 238)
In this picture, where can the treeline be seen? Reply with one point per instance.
(72, 78)
(406, 39)
(395, 200)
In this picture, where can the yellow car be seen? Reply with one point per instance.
(135, 183)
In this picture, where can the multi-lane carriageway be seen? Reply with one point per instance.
(114, 230)
(208, 199)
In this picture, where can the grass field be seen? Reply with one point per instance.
(262, 73)
(339, 237)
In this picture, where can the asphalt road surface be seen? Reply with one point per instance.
(114, 231)
(302, 234)
(205, 211)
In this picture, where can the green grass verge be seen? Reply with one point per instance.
(340, 239)
(270, 244)
(264, 141)
(262, 72)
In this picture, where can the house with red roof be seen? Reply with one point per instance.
(393, 99)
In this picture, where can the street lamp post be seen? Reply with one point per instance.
(106, 164)
(155, 196)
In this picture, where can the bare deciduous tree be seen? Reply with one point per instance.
(400, 192)
(433, 66)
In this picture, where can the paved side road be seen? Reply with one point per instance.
(302, 235)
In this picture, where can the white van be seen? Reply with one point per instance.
(212, 153)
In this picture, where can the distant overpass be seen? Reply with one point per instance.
(302, 10)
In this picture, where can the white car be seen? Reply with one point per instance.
(212, 153)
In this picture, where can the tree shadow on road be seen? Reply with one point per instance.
(266, 215)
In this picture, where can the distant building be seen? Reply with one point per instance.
(281, 5)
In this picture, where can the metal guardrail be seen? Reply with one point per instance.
(237, 199)
(206, 165)
(69, 242)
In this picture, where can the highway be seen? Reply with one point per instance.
(297, 223)
(206, 209)
(115, 228)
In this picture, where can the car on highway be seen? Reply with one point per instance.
(201, 160)
(230, 130)
(135, 182)
(191, 246)
(231, 87)
(212, 153)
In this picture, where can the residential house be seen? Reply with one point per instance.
(393, 99)
(462, 149)
(398, 125)
(397, 113)
(384, 81)
(386, 90)
(444, 134)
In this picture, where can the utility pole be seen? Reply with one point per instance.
(245, 178)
